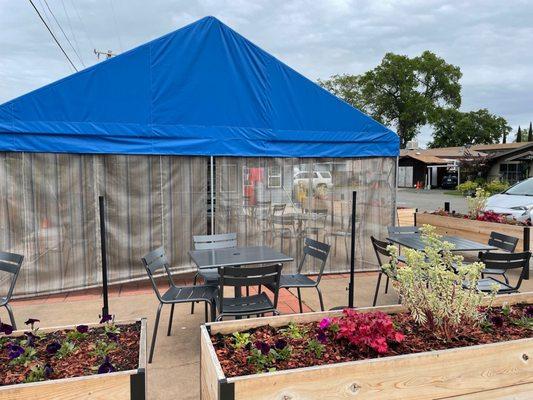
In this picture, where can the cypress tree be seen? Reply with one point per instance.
(530, 133)
(519, 135)
(504, 137)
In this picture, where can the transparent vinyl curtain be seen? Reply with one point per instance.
(280, 201)
(49, 214)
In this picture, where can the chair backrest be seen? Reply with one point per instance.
(507, 261)
(503, 242)
(249, 276)
(318, 251)
(278, 209)
(11, 263)
(219, 241)
(400, 230)
(380, 248)
(282, 221)
(154, 261)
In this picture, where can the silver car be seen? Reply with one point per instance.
(517, 201)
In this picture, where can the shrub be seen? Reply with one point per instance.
(372, 330)
(495, 187)
(432, 291)
(477, 204)
(468, 187)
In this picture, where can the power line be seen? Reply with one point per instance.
(53, 36)
(72, 3)
(72, 32)
(117, 33)
(63, 32)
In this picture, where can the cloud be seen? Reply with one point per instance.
(490, 40)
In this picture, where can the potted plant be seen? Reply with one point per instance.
(103, 360)
(445, 340)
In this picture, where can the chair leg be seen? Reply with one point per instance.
(259, 289)
(170, 319)
(387, 285)
(194, 284)
(300, 300)
(11, 316)
(320, 298)
(213, 310)
(377, 290)
(154, 336)
(247, 291)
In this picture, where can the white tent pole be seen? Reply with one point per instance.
(212, 187)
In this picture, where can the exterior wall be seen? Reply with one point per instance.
(419, 170)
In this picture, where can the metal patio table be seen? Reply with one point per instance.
(414, 241)
(237, 256)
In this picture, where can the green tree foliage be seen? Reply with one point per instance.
(519, 135)
(530, 133)
(455, 128)
(401, 91)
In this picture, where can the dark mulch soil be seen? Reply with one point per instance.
(417, 339)
(79, 363)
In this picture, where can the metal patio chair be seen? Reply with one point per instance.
(318, 251)
(503, 242)
(506, 262)
(156, 260)
(318, 225)
(10, 263)
(245, 306)
(345, 233)
(380, 248)
(210, 242)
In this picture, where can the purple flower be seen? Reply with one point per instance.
(325, 323)
(112, 336)
(497, 321)
(31, 321)
(280, 344)
(82, 328)
(31, 338)
(263, 347)
(48, 371)
(53, 348)
(105, 318)
(6, 328)
(528, 313)
(15, 351)
(106, 367)
(322, 337)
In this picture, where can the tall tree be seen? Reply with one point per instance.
(401, 91)
(519, 135)
(455, 128)
(530, 133)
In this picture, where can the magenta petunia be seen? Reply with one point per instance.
(325, 323)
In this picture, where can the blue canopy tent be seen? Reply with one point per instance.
(140, 128)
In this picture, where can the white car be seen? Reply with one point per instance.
(318, 178)
(517, 201)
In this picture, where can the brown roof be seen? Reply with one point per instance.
(426, 159)
(444, 152)
(498, 146)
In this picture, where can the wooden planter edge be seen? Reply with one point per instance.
(137, 377)
(224, 388)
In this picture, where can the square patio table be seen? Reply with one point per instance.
(414, 241)
(237, 256)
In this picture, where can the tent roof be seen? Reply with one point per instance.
(201, 90)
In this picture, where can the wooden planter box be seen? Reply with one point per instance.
(478, 231)
(492, 371)
(123, 385)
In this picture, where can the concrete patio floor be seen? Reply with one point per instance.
(174, 373)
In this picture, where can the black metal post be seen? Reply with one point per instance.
(351, 287)
(526, 239)
(447, 206)
(103, 236)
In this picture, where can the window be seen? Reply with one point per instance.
(513, 172)
(274, 176)
(228, 178)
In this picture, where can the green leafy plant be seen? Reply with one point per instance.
(477, 204)
(436, 287)
(495, 187)
(467, 187)
(25, 358)
(314, 346)
(241, 340)
(293, 331)
(103, 348)
(66, 349)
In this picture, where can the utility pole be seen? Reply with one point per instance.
(108, 54)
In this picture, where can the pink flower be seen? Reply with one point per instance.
(325, 323)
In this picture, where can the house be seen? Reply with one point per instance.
(510, 162)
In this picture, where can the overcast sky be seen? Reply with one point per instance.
(490, 40)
